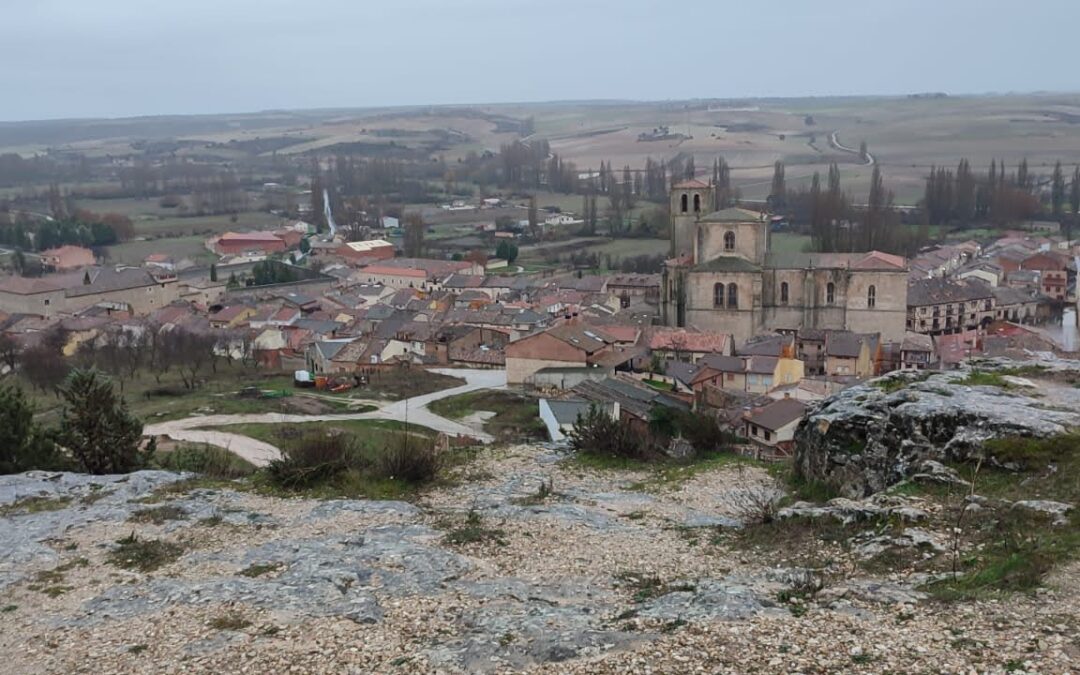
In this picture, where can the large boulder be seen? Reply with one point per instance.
(873, 435)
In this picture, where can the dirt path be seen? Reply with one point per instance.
(413, 410)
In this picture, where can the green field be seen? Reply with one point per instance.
(368, 434)
(135, 251)
(517, 417)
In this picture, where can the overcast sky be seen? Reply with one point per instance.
(112, 58)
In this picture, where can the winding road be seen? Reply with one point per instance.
(414, 410)
(834, 140)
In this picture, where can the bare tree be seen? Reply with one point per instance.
(9, 351)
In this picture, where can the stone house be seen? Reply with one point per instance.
(851, 354)
(773, 425)
(942, 306)
(564, 346)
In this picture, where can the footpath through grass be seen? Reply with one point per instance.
(517, 417)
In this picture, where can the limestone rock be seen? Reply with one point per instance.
(870, 436)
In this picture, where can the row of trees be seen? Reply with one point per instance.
(124, 354)
(82, 228)
(999, 195)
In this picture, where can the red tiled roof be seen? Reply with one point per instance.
(689, 341)
(876, 260)
(691, 184)
(395, 271)
(249, 236)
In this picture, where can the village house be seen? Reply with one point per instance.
(629, 286)
(763, 373)
(371, 250)
(632, 402)
(720, 371)
(687, 345)
(559, 416)
(773, 425)
(851, 354)
(415, 272)
(568, 345)
(128, 289)
(937, 306)
(1017, 305)
(231, 317)
(1053, 273)
(240, 243)
(916, 352)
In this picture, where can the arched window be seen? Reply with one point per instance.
(830, 293)
(732, 296)
(718, 295)
(697, 203)
(871, 296)
(685, 203)
(783, 292)
(729, 241)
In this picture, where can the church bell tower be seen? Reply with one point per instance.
(690, 200)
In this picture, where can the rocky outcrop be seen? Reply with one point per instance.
(873, 435)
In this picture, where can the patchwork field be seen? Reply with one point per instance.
(905, 135)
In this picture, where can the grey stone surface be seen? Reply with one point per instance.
(89, 499)
(865, 438)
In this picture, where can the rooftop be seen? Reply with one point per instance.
(777, 414)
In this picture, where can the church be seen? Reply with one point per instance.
(723, 277)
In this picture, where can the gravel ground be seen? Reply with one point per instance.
(562, 584)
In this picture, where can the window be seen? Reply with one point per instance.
(685, 204)
(732, 296)
(871, 296)
(783, 293)
(47, 301)
(830, 293)
(729, 241)
(718, 295)
(768, 435)
(697, 203)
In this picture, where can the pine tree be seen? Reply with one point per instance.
(97, 428)
(965, 192)
(1057, 191)
(213, 272)
(1074, 191)
(778, 192)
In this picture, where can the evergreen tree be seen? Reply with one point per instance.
(1074, 191)
(213, 272)
(965, 192)
(23, 445)
(413, 239)
(97, 428)
(534, 218)
(1057, 191)
(778, 192)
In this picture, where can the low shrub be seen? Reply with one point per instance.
(314, 459)
(158, 515)
(596, 433)
(144, 555)
(320, 459)
(205, 459)
(473, 531)
(410, 459)
(1033, 453)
